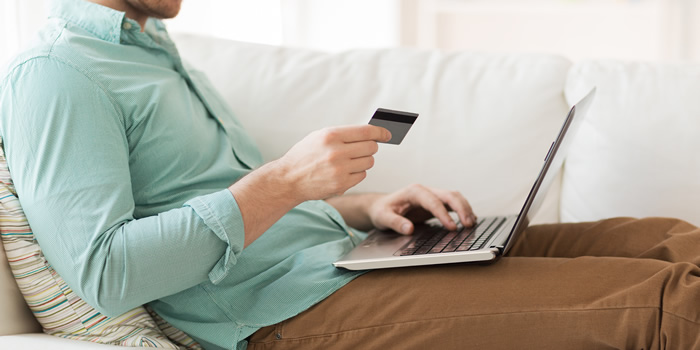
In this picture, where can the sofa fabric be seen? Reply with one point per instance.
(474, 134)
(637, 153)
(43, 341)
(15, 316)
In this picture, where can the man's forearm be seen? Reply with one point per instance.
(354, 208)
(263, 197)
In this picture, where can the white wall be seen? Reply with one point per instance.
(245, 20)
(335, 25)
(19, 21)
(328, 25)
(652, 30)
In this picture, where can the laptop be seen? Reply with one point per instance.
(488, 240)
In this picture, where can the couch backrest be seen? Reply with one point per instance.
(638, 153)
(486, 121)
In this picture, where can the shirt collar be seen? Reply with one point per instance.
(103, 22)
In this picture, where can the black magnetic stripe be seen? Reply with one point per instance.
(395, 116)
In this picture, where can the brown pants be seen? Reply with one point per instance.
(615, 284)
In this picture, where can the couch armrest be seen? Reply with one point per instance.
(41, 341)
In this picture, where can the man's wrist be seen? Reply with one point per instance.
(282, 178)
(367, 201)
(356, 208)
(271, 181)
(263, 197)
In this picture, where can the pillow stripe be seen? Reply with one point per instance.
(179, 337)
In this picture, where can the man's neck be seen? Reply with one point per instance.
(121, 5)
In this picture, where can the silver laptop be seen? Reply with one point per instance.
(488, 240)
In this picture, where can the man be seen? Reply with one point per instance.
(141, 187)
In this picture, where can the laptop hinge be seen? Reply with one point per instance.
(499, 247)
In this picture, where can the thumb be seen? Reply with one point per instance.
(396, 222)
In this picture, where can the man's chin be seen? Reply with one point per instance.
(161, 10)
(165, 13)
(170, 13)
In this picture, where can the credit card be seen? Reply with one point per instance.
(397, 122)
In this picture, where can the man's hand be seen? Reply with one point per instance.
(330, 161)
(325, 163)
(416, 203)
(400, 210)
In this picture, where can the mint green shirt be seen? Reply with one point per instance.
(122, 155)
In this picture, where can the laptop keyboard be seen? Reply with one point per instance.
(437, 239)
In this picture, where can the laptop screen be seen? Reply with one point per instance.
(553, 163)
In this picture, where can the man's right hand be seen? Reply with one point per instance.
(325, 163)
(330, 161)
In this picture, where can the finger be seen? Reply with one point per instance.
(356, 178)
(349, 182)
(459, 204)
(357, 133)
(394, 221)
(361, 149)
(360, 164)
(432, 203)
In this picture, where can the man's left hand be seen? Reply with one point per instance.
(416, 203)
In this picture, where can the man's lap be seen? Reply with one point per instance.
(664, 239)
(612, 300)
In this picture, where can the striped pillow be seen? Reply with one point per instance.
(57, 308)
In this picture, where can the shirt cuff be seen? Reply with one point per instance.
(221, 214)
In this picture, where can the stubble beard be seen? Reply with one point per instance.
(161, 9)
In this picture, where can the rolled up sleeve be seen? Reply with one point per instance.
(220, 213)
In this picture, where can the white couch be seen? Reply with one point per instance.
(486, 122)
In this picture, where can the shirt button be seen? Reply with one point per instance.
(126, 25)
